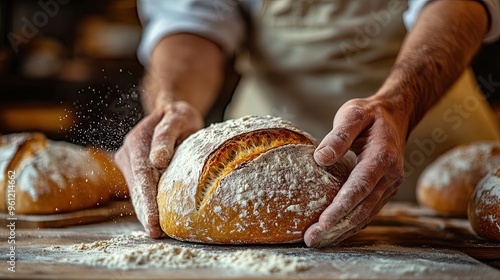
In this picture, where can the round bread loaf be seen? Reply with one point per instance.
(251, 180)
(46, 177)
(447, 184)
(484, 207)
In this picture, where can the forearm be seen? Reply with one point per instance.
(183, 67)
(434, 54)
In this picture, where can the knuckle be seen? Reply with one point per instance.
(394, 163)
(388, 157)
(356, 102)
(343, 136)
(356, 113)
(181, 109)
(163, 126)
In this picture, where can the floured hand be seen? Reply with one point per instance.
(146, 153)
(376, 132)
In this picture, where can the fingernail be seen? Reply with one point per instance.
(311, 243)
(313, 234)
(318, 243)
(160, 157)
(154, 233)
(324, 155)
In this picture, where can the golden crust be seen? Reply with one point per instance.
(56, 177)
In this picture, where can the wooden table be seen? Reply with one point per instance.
(403, 241)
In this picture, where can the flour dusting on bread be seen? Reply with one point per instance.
(484, 207)
(481, 156)
(44, 167)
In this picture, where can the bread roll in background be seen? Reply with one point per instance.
(484, 207)
(251, 180)
(447, 184)
(55, 177)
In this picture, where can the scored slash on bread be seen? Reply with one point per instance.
(238, 150)
(55, 177)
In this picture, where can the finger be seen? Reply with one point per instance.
(385, 198)
(144, 176)
(360, 183)
(339, 237)
(163, 142)
(123, 162)
(174, 127)
(317, 236)
(144, 199)
(347, 126)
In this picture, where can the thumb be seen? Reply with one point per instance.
(348, 125)
(177, 124)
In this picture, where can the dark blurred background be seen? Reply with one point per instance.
(69, 69)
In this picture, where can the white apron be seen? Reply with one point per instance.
(308, 57)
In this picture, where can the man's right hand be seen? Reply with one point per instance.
(146, 153)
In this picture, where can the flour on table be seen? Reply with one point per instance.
(386, 261)
(136, 251)
(133, 252)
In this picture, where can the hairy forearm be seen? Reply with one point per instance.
(434, 54)
(183, 67)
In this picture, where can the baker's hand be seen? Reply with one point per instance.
(146, 153)
(376, 132)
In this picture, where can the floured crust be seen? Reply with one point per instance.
(270, 193)
(55, 177)
(484, 207)
(447, 184)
